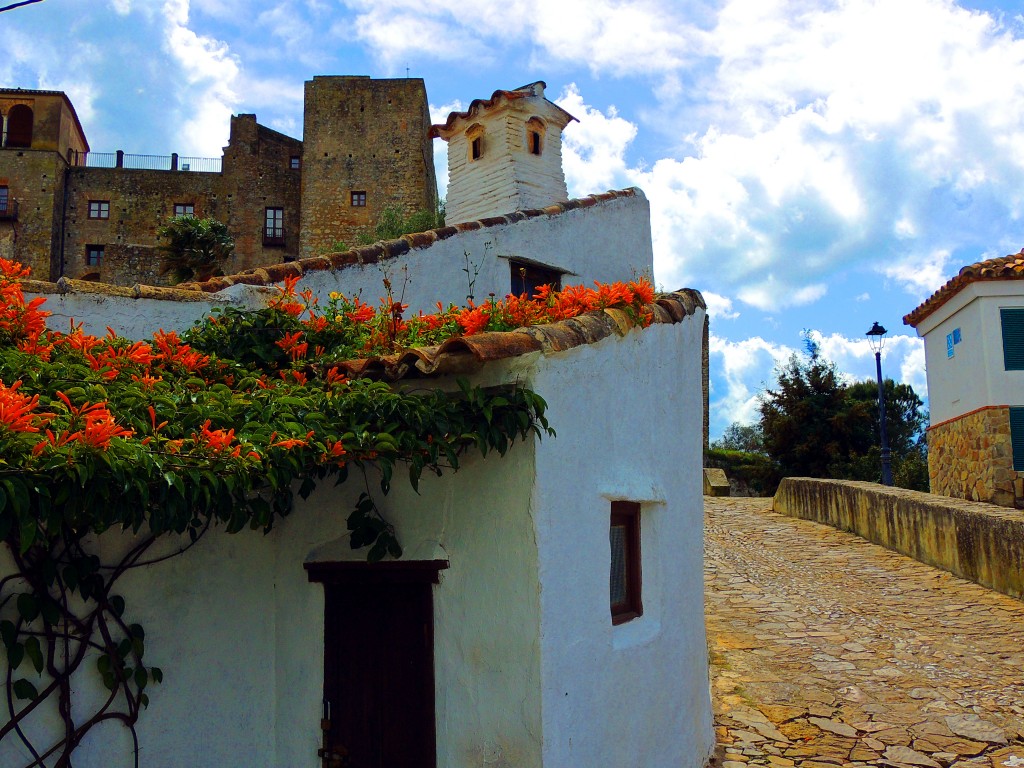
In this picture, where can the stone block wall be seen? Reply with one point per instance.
(979, 542)
(971, 457)
(362, 135)
(35, 182)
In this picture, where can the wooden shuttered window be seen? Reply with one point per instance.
(1017, 437)
(1012, 321)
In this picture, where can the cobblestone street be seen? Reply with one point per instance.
(827, 650)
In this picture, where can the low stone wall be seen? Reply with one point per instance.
(971, 457)
(980, 542)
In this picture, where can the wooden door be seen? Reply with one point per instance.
(379, 669)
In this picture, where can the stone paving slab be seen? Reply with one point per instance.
(827, 651)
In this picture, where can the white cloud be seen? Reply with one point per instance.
(121, 7)
(920, 274)
(612, 36)
(719, 307)
(438, 114)
(593, 149)
(210, 71)
(863, 297)
(743, 368)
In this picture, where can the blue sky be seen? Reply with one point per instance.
(810, 165)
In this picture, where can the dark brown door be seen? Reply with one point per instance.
(379, 673)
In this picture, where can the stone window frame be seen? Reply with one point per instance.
(273, 225)
(99, 209)
(94, 254)
(627, 569)
(184, 209)
(357, 198)
(536, 132)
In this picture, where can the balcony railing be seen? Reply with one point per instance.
(173, 162)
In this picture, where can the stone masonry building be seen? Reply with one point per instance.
(66, 211)
(973, 331)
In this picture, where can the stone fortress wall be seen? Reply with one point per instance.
(368, 136)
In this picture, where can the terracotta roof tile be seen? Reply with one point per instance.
(386, 249)
(66, 286)
(477, 105)
(467, 354)
(1002, 268)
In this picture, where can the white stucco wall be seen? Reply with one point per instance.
(975, 376)
(238, 630)
(628, 414)
(606, 242)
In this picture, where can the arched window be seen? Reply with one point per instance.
(19, 126)
(535, 129)
(475, 137)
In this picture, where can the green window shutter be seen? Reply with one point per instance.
(1017, 437)
(1012, 320)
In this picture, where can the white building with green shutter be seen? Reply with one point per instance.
(973, 331)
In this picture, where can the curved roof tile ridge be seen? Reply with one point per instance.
(387, 249)
(1009, 267)
(467, 354)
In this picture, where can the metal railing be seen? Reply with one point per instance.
(172, 162)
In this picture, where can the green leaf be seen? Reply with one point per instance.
(15, 655)
(23, 690)
(34, 653)
(8, 633)
(28, 606)
(117, 605)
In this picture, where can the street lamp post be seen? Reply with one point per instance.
(876, 337)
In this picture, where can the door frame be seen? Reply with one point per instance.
(356, 573)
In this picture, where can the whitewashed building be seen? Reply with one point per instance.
(973, 330)
(548, 609)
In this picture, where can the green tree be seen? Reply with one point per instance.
(741, 437)
(815, 425)
(196, 248)
(393, 223)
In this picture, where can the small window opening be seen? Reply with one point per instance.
(534, 143)
(477, 148)
(19, 126)
(359, 199)
(294, 162)
(528, 278)
(94, 255)
(184, 209)
(624, 580)
(99, 209)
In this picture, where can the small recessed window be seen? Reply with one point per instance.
(273, 226)
(624, 581)
(94, 255)
(5, 200)
(477, 148)
(528, 278)
(359, 199)
(99, 209)
(534, 142)
(294, 162)
(184, 209)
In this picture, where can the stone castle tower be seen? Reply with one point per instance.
(366, 146)
(504, 154)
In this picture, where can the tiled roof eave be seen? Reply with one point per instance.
(387, 249)
(468, 354)
(1003, 268)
